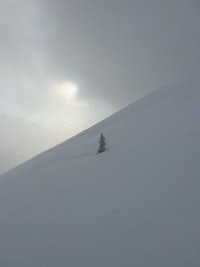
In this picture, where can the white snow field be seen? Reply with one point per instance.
(135, 205)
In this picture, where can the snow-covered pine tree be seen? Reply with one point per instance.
(102, 144)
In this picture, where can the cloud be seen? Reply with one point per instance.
(122, 50)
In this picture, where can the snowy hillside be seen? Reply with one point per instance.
(135, 205)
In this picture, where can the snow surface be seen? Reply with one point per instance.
(137, 204)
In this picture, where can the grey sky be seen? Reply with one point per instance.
(114, 51)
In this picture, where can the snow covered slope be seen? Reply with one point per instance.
(137, 204)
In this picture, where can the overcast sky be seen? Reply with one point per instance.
(66, 64)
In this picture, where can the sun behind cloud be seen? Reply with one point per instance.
(68, 90)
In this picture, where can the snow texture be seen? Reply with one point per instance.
(135, 205)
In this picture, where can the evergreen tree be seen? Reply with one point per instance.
(102, 144)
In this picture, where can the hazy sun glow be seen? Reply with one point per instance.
(68, 89)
